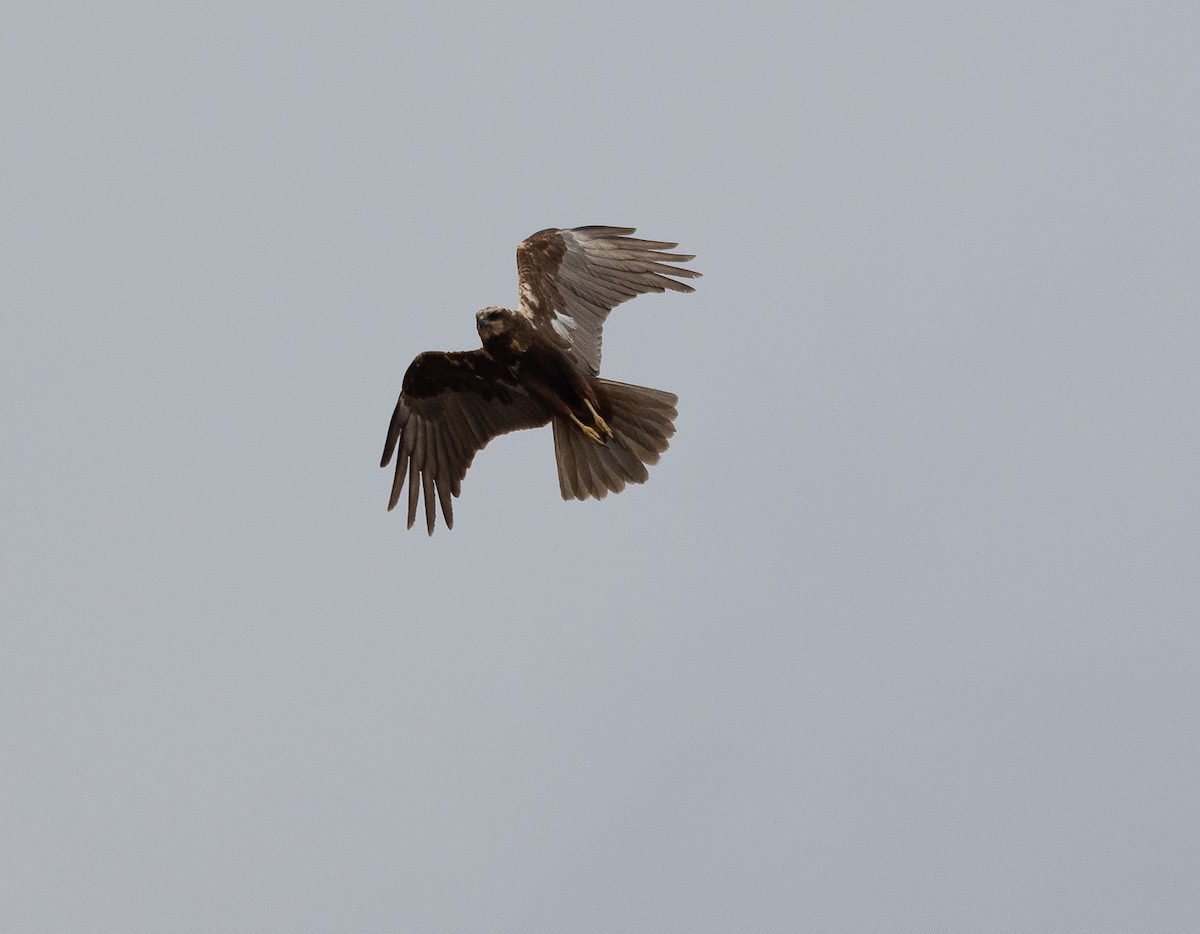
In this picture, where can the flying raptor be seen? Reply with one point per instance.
(539, 364)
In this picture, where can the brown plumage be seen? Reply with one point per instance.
(539, 364)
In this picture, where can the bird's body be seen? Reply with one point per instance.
(542, 367)
(538, 364)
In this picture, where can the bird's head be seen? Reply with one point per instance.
(489, 320)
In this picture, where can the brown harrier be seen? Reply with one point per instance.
(540, 364)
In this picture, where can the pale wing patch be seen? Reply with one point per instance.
(528, 299)
(563, 326)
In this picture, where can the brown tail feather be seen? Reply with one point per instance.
(642, 421)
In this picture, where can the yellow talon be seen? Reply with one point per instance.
(588, 430)
(597, 420)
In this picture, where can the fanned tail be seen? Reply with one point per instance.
(642, 420)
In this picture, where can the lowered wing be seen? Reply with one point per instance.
(451, 405)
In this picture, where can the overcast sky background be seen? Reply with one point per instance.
(900, 636)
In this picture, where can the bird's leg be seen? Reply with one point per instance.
(587, 429)
(597, 420)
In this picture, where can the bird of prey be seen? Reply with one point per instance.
(539, 364)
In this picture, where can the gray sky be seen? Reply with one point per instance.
(900, 636)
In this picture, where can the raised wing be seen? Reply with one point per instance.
(450, 406)
(571, 279)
